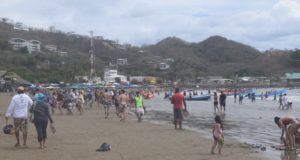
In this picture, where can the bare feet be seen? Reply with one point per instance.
(17, 145)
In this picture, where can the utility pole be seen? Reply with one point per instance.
(92, 58)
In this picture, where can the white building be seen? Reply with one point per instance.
(31, 45)
(122, 61)
(18, 43)
(164, 66)
(111, 76)
(51, 48)
(20, 26)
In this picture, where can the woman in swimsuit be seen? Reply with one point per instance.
(218, 135)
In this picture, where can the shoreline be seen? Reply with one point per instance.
(78, 137)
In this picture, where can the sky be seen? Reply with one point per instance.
(262, 24)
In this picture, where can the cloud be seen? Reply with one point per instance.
(262, 24)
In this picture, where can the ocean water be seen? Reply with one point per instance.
(251, 123)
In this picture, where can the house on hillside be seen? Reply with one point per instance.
(31, 45)
(164, 66)
(20, 26)
(18, 43)
(122, 61)
(51, 48)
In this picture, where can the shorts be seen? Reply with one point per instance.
(107, 104)
(21, 124)
(177, 114)
(122, 108)
(140, 110)
(60, 103)
(215, 103)
(222, 104)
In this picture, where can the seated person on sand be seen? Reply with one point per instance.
(289, 126)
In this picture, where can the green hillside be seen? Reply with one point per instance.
(213, 56)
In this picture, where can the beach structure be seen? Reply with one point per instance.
(293, 78)
(111, 76)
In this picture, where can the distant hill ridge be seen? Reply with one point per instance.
(215, 55)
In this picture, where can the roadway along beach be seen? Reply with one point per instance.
(78, 137)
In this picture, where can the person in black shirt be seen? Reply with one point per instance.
(222, 101)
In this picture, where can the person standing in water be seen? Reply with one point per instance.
(287, 135)
(222, 101)
(216, 102)
(217, 135)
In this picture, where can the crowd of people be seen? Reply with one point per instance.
(40, 103)
(37, 104)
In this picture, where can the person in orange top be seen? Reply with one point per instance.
(178, 102)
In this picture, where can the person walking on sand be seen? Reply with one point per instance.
(123, 101)
(80, 102)
(107, 102)
(41, 114)
(18, 109)
(139, 105)
(217, 135)
(178, 102)
(222, 101)
(283, 124)
(216, 102)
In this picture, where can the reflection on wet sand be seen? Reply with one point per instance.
(288, 155)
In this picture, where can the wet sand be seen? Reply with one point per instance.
(78, 137)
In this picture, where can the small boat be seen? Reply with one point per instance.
(197, 98)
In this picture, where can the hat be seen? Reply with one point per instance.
(40, 97)
(20, 88)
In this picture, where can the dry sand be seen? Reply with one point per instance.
(78, 137)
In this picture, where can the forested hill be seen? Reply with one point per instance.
(213, 56)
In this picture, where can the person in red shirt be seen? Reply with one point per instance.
(178, 102)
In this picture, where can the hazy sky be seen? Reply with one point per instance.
(262, 24)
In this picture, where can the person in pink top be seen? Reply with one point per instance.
(218, 135)
(178, 102)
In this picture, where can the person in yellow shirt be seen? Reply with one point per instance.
(139, 105)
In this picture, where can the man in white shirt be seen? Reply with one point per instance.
(18, 109)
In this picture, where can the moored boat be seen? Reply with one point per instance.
(197, 98)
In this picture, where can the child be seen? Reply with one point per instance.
(217, 134)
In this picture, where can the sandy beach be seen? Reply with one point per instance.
(78, 137)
